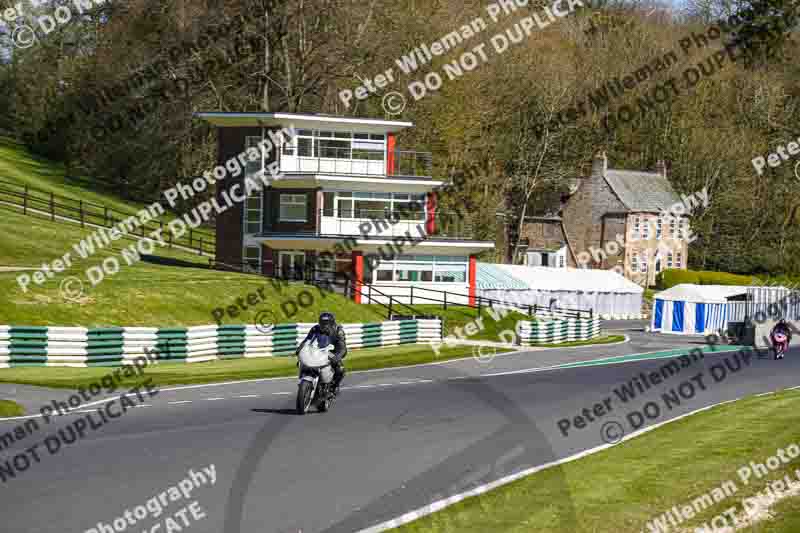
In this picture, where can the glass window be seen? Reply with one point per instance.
(413, 272)
(677, 260)
(305, 147)
(659, 222)
(384, 275)
(646, 228)
(328, 199)
(636, 223)
(672, 228)
(253, 212)
(332, 148)
(669, 259)
(643, 263)
(451, 273)
(345, 207)
(253, 167)
(635, 263)
(252, 259)
(293, 208)
(371, 208)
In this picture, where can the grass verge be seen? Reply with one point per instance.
(230, 370)
(623, 488)
(10, 408)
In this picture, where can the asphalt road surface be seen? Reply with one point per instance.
(395, 441)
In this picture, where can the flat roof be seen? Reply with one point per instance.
(306, 120)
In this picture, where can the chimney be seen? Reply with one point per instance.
(600, 164)
(661, 168)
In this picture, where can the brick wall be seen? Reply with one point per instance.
(229, 231)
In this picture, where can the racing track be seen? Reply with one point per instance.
(395, 441)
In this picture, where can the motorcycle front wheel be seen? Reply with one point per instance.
(304, 397)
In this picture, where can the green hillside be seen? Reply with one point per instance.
(20, 167)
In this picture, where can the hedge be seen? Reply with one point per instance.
(671, 277)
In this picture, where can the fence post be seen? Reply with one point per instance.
(530, 311)
(347, 287)
(412, 295)
(479, 306)
(391, 299)
(445, 300)
(80, 204)
(52, 208)
(25, 202)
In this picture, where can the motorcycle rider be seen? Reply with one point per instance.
(780, 336)
(326, 332)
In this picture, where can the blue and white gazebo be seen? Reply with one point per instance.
(695, 309)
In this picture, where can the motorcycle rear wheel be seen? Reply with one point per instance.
(303, 397)
(325, 405)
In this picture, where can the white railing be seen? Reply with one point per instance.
(325, 165)
(365, 226)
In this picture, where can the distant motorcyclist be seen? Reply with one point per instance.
(328, 332)
(780, 336)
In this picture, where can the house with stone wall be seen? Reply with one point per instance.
(612, 219)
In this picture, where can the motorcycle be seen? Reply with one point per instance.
(316, 378)
(779, 343)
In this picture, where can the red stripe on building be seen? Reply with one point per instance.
(473, 274)
(358, 275)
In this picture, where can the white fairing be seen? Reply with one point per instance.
(313, 356)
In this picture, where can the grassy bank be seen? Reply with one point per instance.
(231, 370)
(10, 408)
(608, 339)
(145, 293)
(623, 488)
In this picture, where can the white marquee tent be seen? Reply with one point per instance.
(604, 291)
(694, 309)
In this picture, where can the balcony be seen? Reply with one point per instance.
(379, 224)
(353, 161)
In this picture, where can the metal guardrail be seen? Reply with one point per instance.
(773, 302)
(84, 212)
